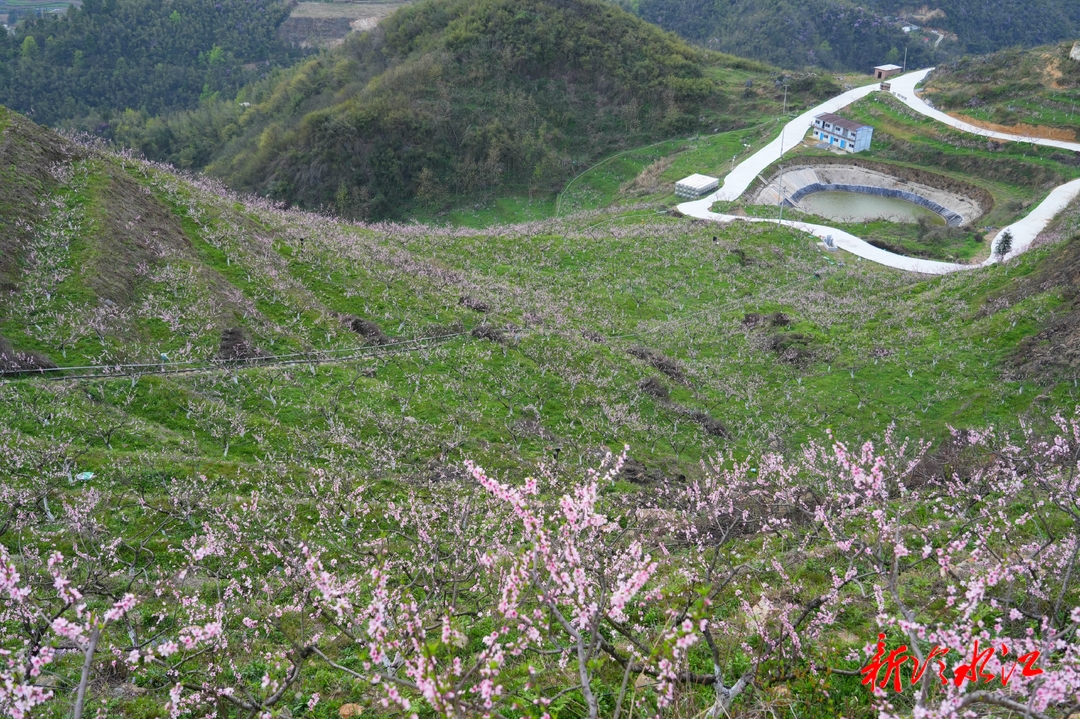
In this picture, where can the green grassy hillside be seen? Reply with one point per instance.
(680, 338)
(179, 361)
(453, 102)
(1033, 91)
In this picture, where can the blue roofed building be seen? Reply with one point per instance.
(842, 133)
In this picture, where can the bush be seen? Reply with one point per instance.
(367, 329)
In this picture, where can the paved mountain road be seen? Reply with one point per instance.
(1024, 231)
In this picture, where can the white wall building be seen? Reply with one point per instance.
(842, 133)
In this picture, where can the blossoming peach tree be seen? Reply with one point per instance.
(486, 596)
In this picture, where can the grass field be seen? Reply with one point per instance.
(858, 345)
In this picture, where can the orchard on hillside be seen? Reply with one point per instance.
(248, 596)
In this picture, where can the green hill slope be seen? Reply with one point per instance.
(1035, 88)
(455, 99)
(318, 384)
(246, 330)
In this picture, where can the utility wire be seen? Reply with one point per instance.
(331, 356)
(189, 366)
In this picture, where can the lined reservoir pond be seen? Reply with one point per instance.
(856, 207)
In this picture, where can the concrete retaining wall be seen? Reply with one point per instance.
(797, 182)
(953, 219)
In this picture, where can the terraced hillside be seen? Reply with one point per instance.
(1029, 91)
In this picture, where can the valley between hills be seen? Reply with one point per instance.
(396, 381)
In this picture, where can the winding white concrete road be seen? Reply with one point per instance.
(1023, 231)
(903, 87)
(793, 133)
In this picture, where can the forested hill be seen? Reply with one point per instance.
(153, 55)
(455, 98)
(989, 25)
(844, 34)
(835, 34)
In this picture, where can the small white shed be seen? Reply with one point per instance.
(696, 185)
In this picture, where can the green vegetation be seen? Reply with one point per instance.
(648, 175)
(253, 426)
(642, 179)
(125, 264)
(451, 103)
(1035, 89)
(321, 384)
(93, 63)
(843, 34)
(638, 181)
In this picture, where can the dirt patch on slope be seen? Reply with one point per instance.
(236, 345)
(132, 229)
(1052, 72)
(1054, 352)
(29, 155)
(1021, 128)
(659, 361)
(649, 181)
(926, 13)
